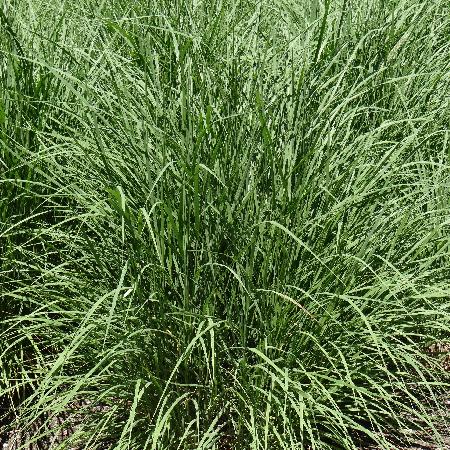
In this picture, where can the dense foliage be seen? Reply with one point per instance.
(224, 223)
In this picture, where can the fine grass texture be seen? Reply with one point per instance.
(224, 224)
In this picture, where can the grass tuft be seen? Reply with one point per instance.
(224, 224)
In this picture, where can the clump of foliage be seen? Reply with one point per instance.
(223, 223)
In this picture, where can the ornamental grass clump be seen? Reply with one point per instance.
(224, 224)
